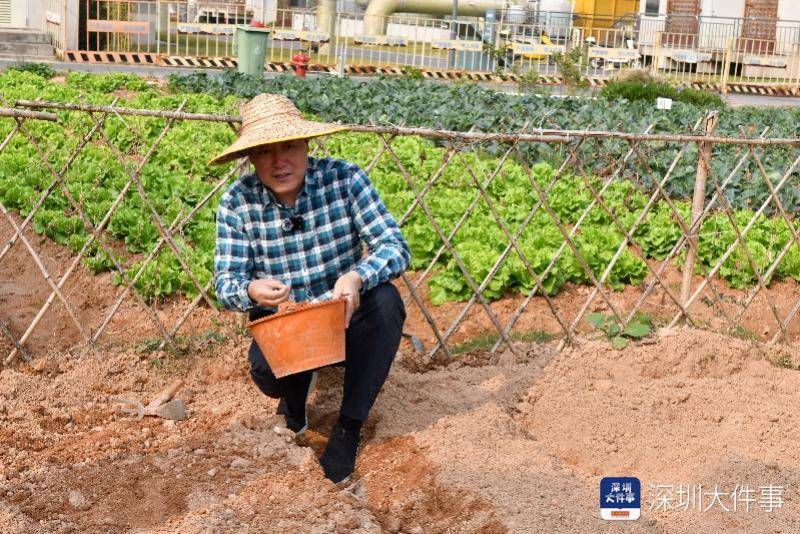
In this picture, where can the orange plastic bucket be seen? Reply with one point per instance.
(302, 336)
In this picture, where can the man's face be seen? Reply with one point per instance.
(282, 167)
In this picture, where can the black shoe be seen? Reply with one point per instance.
(297, 422)
(339, 458)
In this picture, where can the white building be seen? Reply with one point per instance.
(22, 14)
(787, 10)
(714, 21)
(709, 23)
(763, 35)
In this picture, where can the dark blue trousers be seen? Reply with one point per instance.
(371, 344)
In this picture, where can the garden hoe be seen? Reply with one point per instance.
(163, 405)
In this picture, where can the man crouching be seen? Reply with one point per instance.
(294, 229)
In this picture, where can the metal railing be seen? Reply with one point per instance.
(478, 167)
(55, 22)
(687, 49)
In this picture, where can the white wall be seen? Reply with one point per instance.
(36, 15)
(722, 8)
(19, 13)
(350, 27)
(789, 10)
(27, 14)
(71, 24)
(263, 10)
(416, 33)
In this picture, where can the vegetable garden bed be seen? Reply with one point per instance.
(178, 176)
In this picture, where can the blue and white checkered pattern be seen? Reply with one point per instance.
(340, 210)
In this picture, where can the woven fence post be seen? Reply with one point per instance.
(243, 169)
(698, 202)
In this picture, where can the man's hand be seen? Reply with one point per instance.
(348, 285)
(268, 292)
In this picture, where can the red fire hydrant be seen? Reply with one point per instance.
(300, 63)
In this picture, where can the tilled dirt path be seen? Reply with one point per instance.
(508, 445)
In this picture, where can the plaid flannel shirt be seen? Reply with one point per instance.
(340, 210)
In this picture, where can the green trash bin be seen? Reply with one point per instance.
(251, 48)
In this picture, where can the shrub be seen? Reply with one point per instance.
(40, 69)
(642, 87)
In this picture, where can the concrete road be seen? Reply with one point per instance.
(761, 100)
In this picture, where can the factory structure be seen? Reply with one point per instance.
(747, 38)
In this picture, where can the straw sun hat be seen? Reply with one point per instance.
(270, 118)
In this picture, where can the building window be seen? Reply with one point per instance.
(651, 7)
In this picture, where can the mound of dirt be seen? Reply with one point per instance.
(694, 408)
(514, 445)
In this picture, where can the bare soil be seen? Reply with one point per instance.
(507, 444)
(481, 443)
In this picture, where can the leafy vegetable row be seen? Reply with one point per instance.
(467, 106)
(177, 177)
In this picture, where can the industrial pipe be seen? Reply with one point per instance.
(326, 17)
(378, 11)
